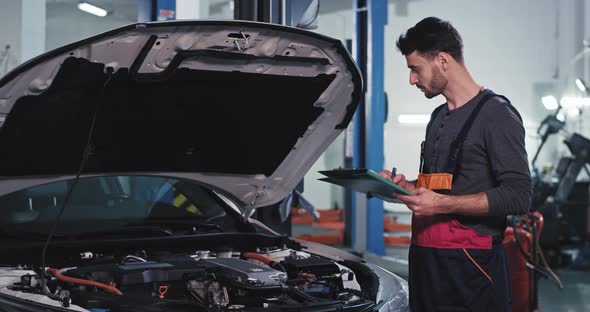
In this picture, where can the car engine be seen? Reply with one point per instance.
(278, 279)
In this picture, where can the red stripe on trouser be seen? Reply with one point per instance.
(478, 266)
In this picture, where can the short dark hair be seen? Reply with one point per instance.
(431, 36)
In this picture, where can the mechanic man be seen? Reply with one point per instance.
(473, 173)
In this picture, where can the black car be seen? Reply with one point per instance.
(132, 162)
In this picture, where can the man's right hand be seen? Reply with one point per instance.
(400, 180)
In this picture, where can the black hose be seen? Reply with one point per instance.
(298, 294)
(519, 244)
(527, 257)
(537, 268)
(540, 271)
(556, 278)
(357, 293)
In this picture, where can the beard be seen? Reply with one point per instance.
(437, 84)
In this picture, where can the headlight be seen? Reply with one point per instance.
(393, 294)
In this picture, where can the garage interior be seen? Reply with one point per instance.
(535, 52)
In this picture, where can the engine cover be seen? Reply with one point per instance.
(246, 272)
(137, 273)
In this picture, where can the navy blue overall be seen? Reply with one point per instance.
(454, 267)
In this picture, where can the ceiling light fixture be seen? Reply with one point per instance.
(550, 102)
(413, 119)
(574, 102)
(92, 9)
(581, 85)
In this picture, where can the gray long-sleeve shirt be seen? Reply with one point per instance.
(493, 159)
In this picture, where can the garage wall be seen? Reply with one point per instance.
(22, 32)
(518, 48)
(510, 47)
(10, 45)
(67, 24)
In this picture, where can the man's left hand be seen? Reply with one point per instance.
(425, 202)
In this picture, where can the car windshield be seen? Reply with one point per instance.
(110, 202)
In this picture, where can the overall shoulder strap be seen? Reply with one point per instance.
(432, 118)
(457, 144)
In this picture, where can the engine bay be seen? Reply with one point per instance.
(275, 279)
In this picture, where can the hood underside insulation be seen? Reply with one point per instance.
(194, 121)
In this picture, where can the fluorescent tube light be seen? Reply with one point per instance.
(581, 85)
(413, 119)
(550, 102)
(574, 102)
(92, 9)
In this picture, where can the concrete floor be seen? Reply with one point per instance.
(574, 297)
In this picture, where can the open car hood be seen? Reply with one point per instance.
(245, 108)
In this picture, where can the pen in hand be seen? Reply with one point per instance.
(393, 172)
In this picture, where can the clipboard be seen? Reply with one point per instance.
(365, 181)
